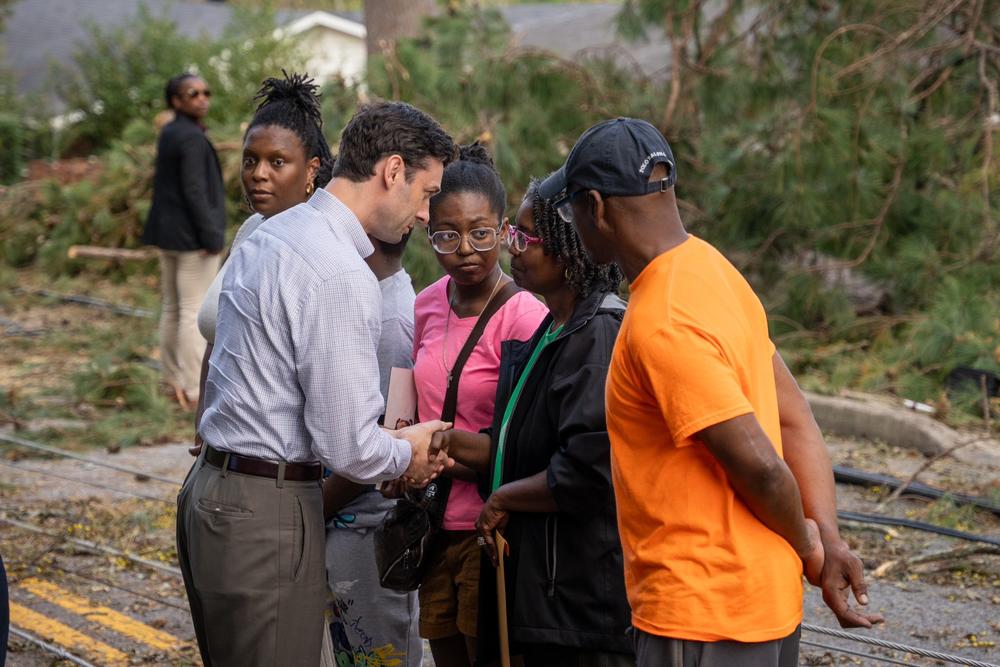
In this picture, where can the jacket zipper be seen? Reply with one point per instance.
(551, 553)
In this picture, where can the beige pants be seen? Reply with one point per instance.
(184, 279)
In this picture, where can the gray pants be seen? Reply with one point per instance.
(251, 550)
(655, 651)
(379, 625)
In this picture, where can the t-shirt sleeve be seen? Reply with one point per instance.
(691, 380)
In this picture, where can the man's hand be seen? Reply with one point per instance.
(196, 449)
(424, 467)
(842, 573)
(492, 518)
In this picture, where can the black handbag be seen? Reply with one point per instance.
(403, 538)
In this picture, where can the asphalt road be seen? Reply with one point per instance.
(110, 611)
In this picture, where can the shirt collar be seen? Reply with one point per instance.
(337, 214)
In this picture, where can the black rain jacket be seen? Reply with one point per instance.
(189, 198)
(564, 575)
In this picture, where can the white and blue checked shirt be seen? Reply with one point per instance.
(293, 376)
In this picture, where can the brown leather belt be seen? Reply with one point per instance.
(247, 465)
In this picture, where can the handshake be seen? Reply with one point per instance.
(426, 463)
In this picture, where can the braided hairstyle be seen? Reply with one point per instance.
(473, 171)
(561, 242)
(293, 103)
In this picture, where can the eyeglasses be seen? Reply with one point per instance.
(194, 93)
(447, 241)
(519, 240)
(564, 203)
(564, 206)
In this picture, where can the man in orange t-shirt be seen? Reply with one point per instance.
(711, 439)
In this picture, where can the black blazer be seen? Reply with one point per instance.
(189, 198)
(565, 575)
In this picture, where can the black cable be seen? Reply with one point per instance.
(84, 300)
(28, 444)
(916, 525)
(49, 473)
(859, 654)
(847, 475)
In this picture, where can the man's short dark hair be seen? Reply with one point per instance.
(390, 128)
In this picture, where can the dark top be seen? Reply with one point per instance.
(565, 581)
(189, 198)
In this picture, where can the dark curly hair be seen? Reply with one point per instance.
(473, 172)
(561, 242)
(390, 128)
(293, 103)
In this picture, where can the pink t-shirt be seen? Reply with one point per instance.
(433, 355)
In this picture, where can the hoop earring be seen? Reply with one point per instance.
(246, 200)
(309, 188)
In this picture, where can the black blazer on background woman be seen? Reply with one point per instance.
(189, 199)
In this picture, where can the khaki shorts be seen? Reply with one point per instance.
(449, 594)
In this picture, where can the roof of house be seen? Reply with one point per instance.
(574, 29)
(41, 32)
(38, 33)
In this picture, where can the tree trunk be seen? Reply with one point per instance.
(388, 20)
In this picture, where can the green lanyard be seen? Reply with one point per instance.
(547, 338)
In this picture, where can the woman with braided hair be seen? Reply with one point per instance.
(545, 464)
(285, 158)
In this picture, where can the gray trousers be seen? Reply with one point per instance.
(251, 551)
(655, 651)
(378, 624)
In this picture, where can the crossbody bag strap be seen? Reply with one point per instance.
(495, 304)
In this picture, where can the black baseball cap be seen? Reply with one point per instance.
(614, 157)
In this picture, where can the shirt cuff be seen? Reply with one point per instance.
(404, 453)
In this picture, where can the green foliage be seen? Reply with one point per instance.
(856, 133)
(129, 386)
(528, 106)
(121, 72)
(22, 135)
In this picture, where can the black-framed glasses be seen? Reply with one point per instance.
(563, 204)
(194, 93)
(519, 240)
(448, 241)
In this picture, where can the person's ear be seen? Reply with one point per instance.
(504, 224)
(312, 166)
(394, 171)
(596, 204)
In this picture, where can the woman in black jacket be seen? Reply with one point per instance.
(187, 222)
(546, 461)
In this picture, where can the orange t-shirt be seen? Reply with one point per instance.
(694, 351)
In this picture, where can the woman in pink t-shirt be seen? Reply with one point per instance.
(466, 221)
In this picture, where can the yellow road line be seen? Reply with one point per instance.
(120, 623)
(57, 633)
